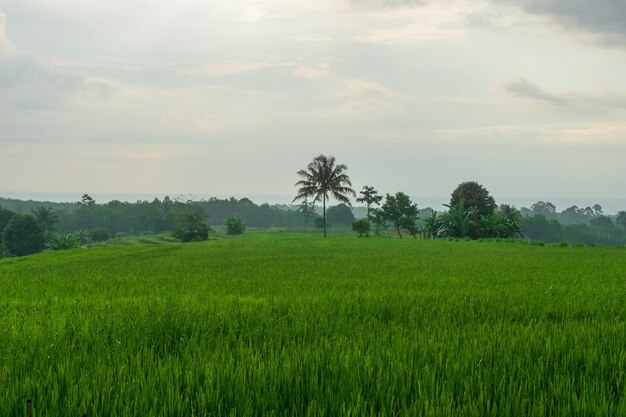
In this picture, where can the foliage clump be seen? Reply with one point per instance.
(400, 212)
(341, 214)
(99, 235)
(23, 236)
(234, 225)
(64, 242)
(475, 197)
(191, 222)
(362, 227)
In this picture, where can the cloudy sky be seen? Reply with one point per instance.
(218, 97)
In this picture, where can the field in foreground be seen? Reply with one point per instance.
(288, 324)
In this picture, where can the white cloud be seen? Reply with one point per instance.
(252, 14)
(222, 69)
(409, 22)
(320, 72)
(358, 88)
(6, 47)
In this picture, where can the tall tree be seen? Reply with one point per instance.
(401, 213)
(621, 219)
(475, 196)
(322, 179)
(87, 200)
(370, 196)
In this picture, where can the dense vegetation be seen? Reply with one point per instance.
(472, 213)
(291, 324)
(575, 225)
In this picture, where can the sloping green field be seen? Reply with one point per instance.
(292, 324)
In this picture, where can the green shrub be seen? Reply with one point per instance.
(564, 244)
(99, 235)
(63, 242)
(198, 233)
(362, 227)
(23, 236)
(234, 225)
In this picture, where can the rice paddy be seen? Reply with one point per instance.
(287, 324)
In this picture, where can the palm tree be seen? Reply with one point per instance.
(322, 179)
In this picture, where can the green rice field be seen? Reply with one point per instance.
(289, 324)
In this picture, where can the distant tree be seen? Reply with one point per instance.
(322, 179)
(362, 227)
(401, 213)
(234, 225)
(544, 208)
(604, 229)
(370, 197)
(191, 222)
(539, 228)
(475, 196)
(46, 218)
(319, 223)
(380, 222)
(588, 211)
(87, 200)
(307, 211)
(245, 201)
(5, 216)
(23, 236)
(597, 209)
(621, 219)
(99, 235)
(340, 214)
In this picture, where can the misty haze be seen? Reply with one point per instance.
(312, 208)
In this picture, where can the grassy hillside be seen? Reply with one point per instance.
(288, 324)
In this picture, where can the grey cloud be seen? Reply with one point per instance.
(525, 89)
(375, 4)
(29, 83)
(574, 101)
(605, 20)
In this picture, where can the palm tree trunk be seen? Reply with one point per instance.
(324, 211)
(399, 234)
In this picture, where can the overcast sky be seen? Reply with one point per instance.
(528, 97)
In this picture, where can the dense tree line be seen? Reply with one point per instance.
(157, 216)
(600, 229)
(69, 225)
(472, 213)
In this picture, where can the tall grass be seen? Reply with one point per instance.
(294, 325)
